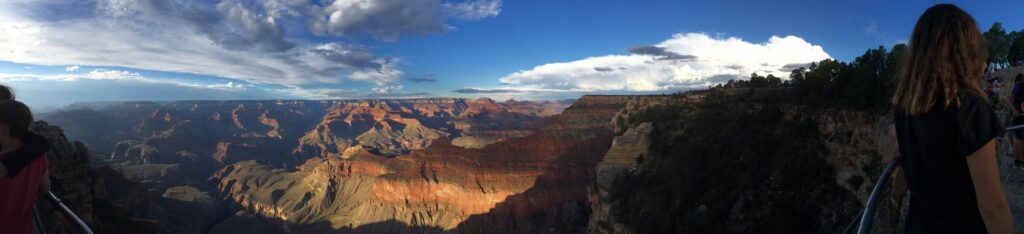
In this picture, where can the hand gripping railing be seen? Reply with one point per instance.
(867, 216)
(67, 213)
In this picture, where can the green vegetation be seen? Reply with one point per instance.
(1004, 48)
(737, 162)
(865, 84)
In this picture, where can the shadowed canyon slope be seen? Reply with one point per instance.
(314, 166)
(520, 185)
(726, 160)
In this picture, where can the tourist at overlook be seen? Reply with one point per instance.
(18, 193)
(34, 146)
(946, 130)
(1018, 119)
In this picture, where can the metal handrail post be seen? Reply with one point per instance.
(68, 213)
(872, 205)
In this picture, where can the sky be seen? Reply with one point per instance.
(58, 52)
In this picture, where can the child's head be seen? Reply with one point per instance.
(15, 119)
(946, 54)
(6, 93)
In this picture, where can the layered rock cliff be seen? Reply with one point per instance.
(740, 161)
(82, 189)
(735, 161)
(622, 157)
(162, 155)
(525, 185)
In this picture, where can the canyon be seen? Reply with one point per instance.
(473, 166)
(349, 166)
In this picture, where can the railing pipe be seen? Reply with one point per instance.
(70, 215)
(1015, 127)
(872, 205)
(867, 216)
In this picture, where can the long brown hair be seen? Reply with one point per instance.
(946, 54)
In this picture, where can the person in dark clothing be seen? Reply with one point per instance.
(34, 146)
(946, 129)
(992, 87)
(18, 193)
(1017, 95)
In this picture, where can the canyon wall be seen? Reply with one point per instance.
(741, 161)
(473, 166)
(346, 165)
(524, 185)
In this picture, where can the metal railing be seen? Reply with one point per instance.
(68, 214)
(867, 216)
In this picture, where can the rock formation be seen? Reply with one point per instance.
(531, 184)
(162, 154)
(466, 165)
(626, 150)
(81, 188)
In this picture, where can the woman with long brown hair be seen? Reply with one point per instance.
(946, 130)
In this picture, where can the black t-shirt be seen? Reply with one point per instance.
(933, 148)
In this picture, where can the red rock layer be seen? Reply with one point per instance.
(531, 184)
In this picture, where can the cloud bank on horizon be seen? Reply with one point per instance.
(293, 43)
(685, 61)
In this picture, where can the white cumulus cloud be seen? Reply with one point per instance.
(685, 61)
(258, 41)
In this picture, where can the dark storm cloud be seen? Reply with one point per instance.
(230, 23)
(659, 53)
(351, 56)
(793, 66)
(721, 78)
(429, 77)
(391, 19)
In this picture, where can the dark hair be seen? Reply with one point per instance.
(946, 54)
(6, 93)
(1019, 78)
(16, 116)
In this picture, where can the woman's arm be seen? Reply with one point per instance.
(44, 184)
(988, 190)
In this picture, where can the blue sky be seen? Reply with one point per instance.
(57, 52)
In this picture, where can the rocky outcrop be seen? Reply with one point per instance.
(741, 161)
(69, 167)
(163, 154)
(81, 188)
(623, 155)
(398, 127)
(531, 184)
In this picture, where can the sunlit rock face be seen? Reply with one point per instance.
(352, 165)
(531, 184)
